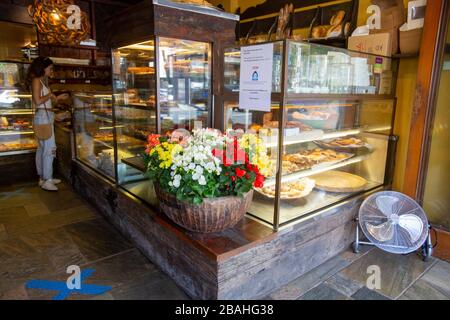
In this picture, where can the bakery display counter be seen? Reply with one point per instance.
(16, 127)
(327, 131)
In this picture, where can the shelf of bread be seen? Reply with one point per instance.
(14, 126)
(15, 112)
(141, 70)
(15, 132)
(271, 141)
(24, 144)
(317, 168)
(122, 139)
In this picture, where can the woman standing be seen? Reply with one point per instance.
(39, 71)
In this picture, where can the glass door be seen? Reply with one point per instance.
(436, 199)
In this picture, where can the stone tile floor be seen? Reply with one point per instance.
(42, 233)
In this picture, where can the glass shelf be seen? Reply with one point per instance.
(318, 169)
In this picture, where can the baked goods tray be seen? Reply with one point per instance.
(317, 169)
(305, 136)
(328, 143)
(308, 186)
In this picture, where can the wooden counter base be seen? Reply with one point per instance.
(246, 262)
(19, 167)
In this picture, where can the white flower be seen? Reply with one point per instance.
(199, 169)
(196, 176)
(202, 181)
(191, 166)
(176, 183)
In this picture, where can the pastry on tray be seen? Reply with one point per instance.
(291, 166)
(21, 125)
(299, 160)
(325, 155)
(315, 115)
(338, 181)
(346, 142)
(141, 70)
(289, 124)
(290, 190)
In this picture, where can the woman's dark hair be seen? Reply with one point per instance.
(37, 67)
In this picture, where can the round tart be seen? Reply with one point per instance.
(338, 181)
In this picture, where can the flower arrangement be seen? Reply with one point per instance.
(207, 164)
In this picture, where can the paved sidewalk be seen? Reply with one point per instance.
(42, 233)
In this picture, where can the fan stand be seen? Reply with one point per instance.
(426, 251)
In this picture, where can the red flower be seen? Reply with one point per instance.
(233, 178)
(259, 182)
(240, 173)
(152, 141)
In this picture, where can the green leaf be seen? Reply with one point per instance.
(197, 200)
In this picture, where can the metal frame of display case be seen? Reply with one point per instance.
(282, 97)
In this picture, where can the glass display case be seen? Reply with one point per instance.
(182, 77)
(328, 131)
(93, 131)
(162, 76)
(16, 115)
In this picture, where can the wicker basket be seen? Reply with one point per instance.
(213, 215)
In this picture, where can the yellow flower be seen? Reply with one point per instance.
(165, 153)
(257, 152)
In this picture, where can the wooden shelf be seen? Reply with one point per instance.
(405, 55)
(15, 61)
(341, 41)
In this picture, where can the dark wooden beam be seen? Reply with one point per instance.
(114, 3)
(14, 13)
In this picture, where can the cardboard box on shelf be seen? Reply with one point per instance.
(389, 4)
(393, 38)
(392, 18)
(410, 41)
(379, 44)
